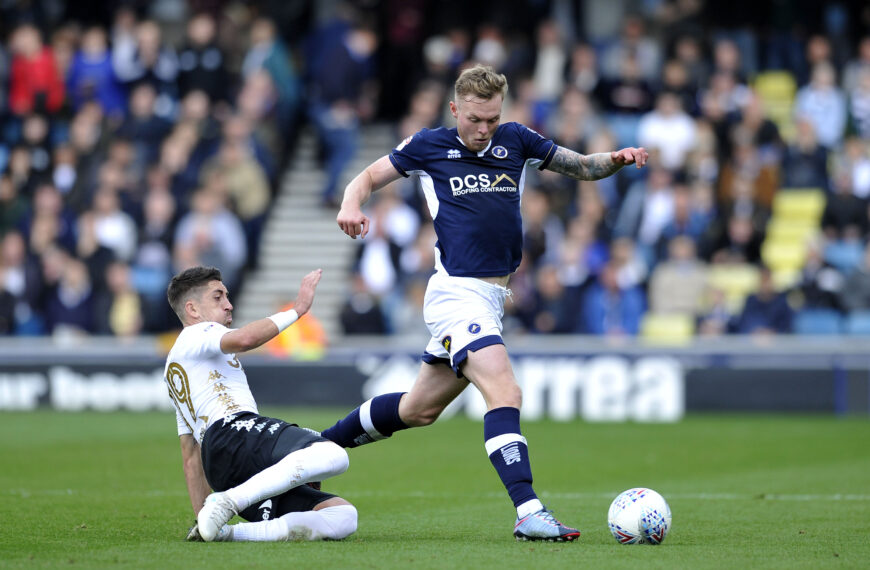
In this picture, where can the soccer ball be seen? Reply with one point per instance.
(639, 516)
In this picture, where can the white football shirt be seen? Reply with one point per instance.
(204, 383)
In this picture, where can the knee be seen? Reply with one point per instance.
(335, 455)
(343, 521)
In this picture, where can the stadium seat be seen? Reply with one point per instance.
(799, 204)
(777, 90)
(736, 280)
(858, 323)
(667, 328)
(818, 322)
(781, 228)
(782, 255)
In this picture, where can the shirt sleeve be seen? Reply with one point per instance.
(183, 428)
(406, 157)
(536, 147)
(205, 340)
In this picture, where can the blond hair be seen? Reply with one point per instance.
(480, 81)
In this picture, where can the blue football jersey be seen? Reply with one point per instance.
(474, 197)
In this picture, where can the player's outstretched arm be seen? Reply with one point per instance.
(197, 485)
(351, 218)
(262, 331)
(595, 166)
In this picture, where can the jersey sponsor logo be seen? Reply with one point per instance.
(499, 151)
(481, 183)
(445, 342)
(511, 454)
(474, 328)
(453, 153)
(404, 143)
(266, 509)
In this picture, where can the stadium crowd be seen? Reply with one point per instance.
(137, 139)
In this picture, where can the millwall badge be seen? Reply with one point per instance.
(499, 151)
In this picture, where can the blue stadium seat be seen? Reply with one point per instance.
(844, 255)
(818, 322)
(858, 323)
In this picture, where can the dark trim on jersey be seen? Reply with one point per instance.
(397, 167)
(549, 158)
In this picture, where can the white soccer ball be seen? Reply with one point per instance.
(639, 516)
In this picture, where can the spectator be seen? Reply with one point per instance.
(139, 55)
(765, 312)
(70, 306)
(210, 235)
(35, 85)
(114, 228)
(805, 164)
(361, 312)
(339, 98)
(823, 104)
(610, 309)
(201, 61)
(21, 279)
(142, 126)
(245, 184)
(668, 130)
(119, 310)
(820, 283)
(679, 282)
(859, 104)
(855, 294)
(91, 77)
(268, 53)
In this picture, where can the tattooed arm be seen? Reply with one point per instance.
(595, 166)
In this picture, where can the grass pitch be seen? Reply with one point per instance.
(96, 490)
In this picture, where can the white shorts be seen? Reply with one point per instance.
(462, 313)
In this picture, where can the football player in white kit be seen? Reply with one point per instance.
(258, 466)
(472, 178)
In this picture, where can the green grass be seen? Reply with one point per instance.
(106, 490)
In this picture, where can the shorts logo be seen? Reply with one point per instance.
(499, 152)
(474, 328)
(453, 153)
(445, 342)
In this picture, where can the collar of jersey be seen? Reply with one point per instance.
(481, 153)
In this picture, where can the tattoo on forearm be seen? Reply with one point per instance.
(582, 166)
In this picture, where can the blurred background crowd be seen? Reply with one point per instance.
(139, 138)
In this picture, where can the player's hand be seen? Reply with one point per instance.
(630, 155)
(352, 221)
(306, 292)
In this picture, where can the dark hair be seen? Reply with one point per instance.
(187, 282)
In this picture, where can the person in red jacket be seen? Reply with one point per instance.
(35, 85)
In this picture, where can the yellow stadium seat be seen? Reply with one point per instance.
(667, 328)
(736, 280)
(775, 86)
(805, 204)
(781, 229)
(783, 255)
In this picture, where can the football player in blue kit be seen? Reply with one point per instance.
(472, 177)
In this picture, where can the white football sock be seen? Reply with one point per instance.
(316, 462)
(529, 507)
(333, 523)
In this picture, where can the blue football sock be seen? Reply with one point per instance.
(508, 453)
(375, 419)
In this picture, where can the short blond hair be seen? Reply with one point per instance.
(480, 81)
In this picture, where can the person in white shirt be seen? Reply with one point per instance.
(258, 466)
